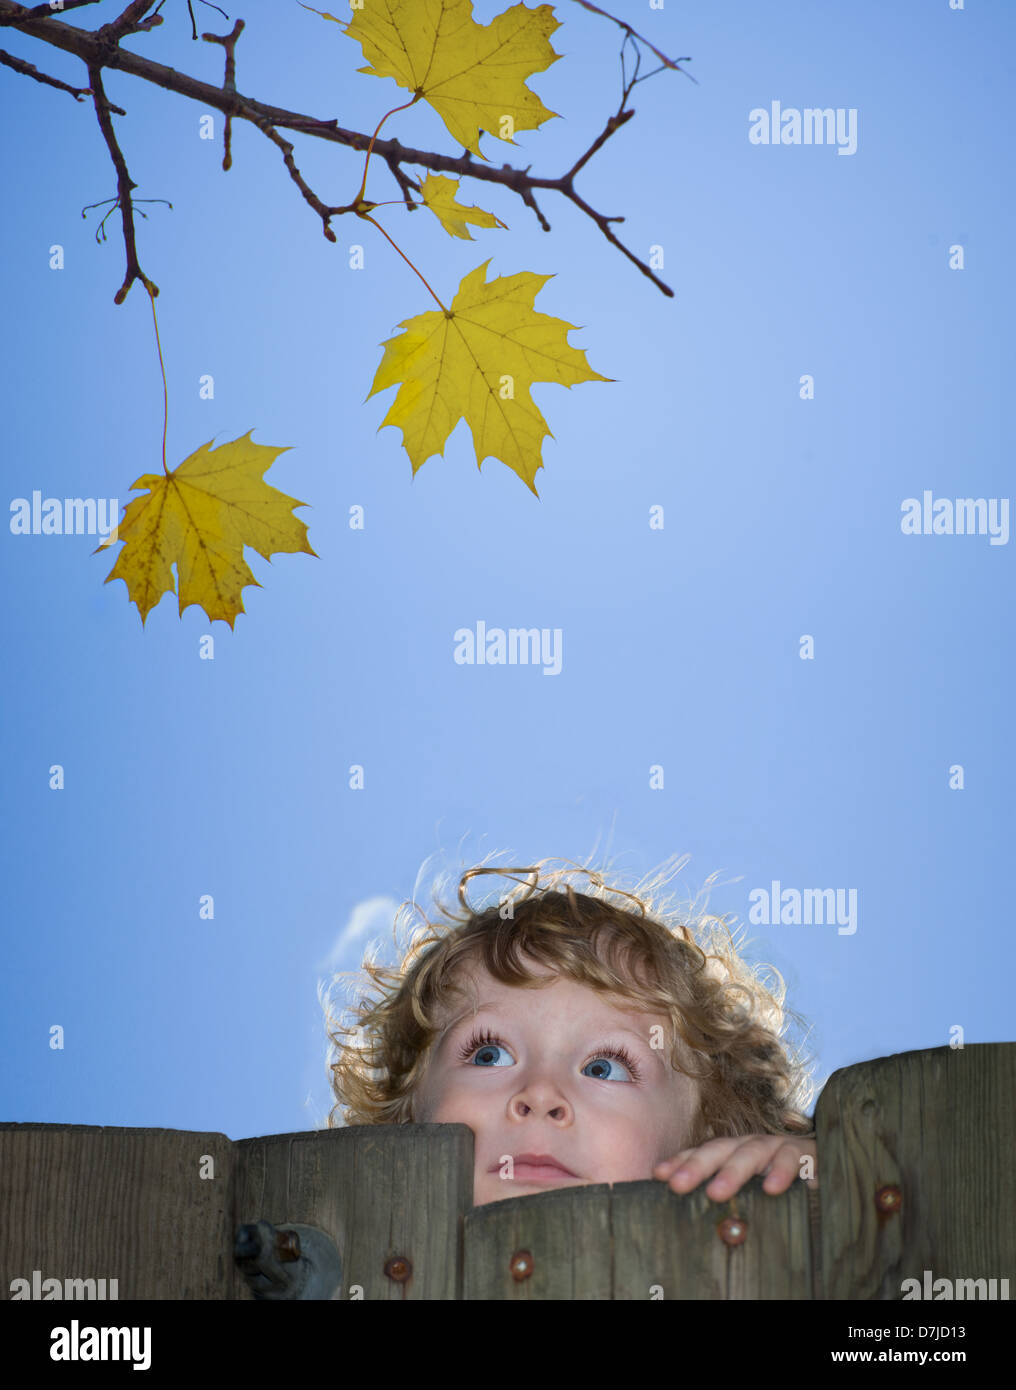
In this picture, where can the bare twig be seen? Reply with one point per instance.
(130, 21)
(325, 213)
(634, 34)
(114, 203)
(124, 184)
(614, 123)
(402, 179)
(30, 70)
(193, 21)
(228, 42)
(526, 194)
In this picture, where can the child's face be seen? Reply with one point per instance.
(547, 1088)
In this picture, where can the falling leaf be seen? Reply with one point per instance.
(477, 362)
(200, 516)
(439, 194)
(473, 75)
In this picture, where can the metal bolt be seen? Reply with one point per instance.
(287, 1246)
(889, 1198)
(521, 1265)
(398, 1268)
(733, 1231)
(247, 1246)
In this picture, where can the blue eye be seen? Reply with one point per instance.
(610, 1059)
(485, 1043)
(482, 1055)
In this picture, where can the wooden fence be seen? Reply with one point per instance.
(915, 1167)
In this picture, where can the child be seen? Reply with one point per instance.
(616, 1047)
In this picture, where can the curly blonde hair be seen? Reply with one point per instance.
(726, 1023)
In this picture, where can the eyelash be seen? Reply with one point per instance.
(489, 1039)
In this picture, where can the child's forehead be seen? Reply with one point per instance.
(477, 990)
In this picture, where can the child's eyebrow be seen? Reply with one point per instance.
(453, 1023)
(609, 1027)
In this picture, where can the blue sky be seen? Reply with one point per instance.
(680, 646)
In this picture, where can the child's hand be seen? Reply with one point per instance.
(735, 1160)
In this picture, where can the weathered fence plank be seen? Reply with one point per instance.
(687, 1247)
(916, 1157)
(639, 1240)
(382, 1192)
(565, 1233)
(82, 1202)
(666, 1245)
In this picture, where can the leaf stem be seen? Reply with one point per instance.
(367, 218)
(370, 147)
(165, 389)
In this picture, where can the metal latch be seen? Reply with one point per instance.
(290, 1261)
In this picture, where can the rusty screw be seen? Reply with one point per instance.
(521, 1265)
(889, 1198)
(733, 1231)
(398, 1268)
(287, 1246)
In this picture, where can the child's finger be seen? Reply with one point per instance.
(689, 1167)
(790, 1162)
(785, 1168)
(667, 1165)
(752, 1156)
(713, 1149)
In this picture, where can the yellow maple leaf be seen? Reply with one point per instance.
(439, 194)
(200, 516)
(476, 361)
(473, 75)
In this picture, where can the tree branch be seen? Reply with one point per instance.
(325, 213)
(29, 70)
(43, 11)
(402, 179)
(101, 49)
(129, 21)
(124, 184)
